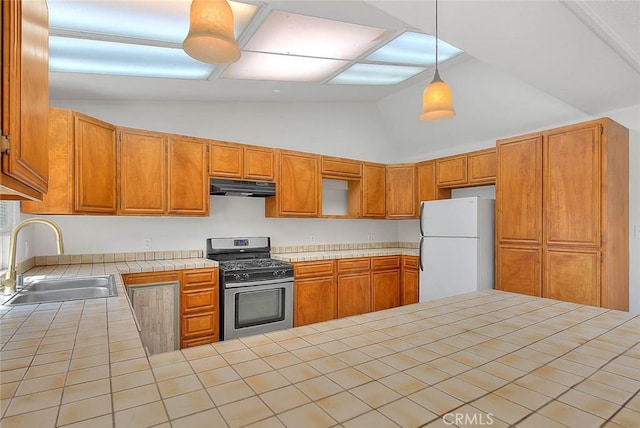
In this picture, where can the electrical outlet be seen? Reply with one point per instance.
(371, 237)
(312, 239)
(146, 244)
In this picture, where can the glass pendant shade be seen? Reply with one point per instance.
(211, 38)
(436, 100)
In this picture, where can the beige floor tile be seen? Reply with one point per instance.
(525, 397)
(375, 369)
(634, 403)
(251, 368)
(208, 363)
(572, 367)
(179, 385)
(376, 350)
(209, 418)
(406, 413)
(537, 420)
(33, 402)
(88, 351)
(127, 354)
(198, 352)
(353, 357)
(520, 363)
(327, 364)
(256, 340)
(228, 346)
(45, 369)
(85, 362)
(317, 338)
(370, 419)
(604, 391)
(135, 397)
(278, 361)
(239, 356)
(86, 390)
(473, 417)
(244, 412)
(266, 381)
(186, 404)
(627, 418)
(141, 416)
(435, 400)
(403, 383)
(541, 385)
(449, 366)
(375, 394)
(570, 416)
(105, 421)
(460, 389)
(87, 375)
(308, 416)
(309, 353)
(166, 358)
(558, 376)
(229, 392)
(132, 380)
(268, 350)
(617, 381)
(505, 410)
(53, 357)
(594, 405)
(84, 409)
(343, 406)
(272, 422)
(30, 386)
(349, 378)
(283, 399)
(421, 354)
(8, 390)
(483, 380)
(318, 387)
(299, 372)
(129, 366)
(217, 376)
(293, 343)
(334, 347)
(171, 371)
(35, 419)
(502, 371)
(427, 374)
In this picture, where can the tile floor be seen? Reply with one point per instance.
(483, 359)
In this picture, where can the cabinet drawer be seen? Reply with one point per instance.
(132, 279)
(313, 269)
(354, 265)
(199, 325)
(199, 301)
(410, 262)
(205, 340)
(385, 262)
(341, 167)
(199, 278)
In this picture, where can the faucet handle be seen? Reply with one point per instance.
(19, 281)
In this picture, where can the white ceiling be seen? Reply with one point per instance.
(582, 56)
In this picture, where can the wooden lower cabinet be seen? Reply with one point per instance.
(314, 292)
(519, 269)
(409, 284)
(354, 286)
(385, 282)
(572, 276)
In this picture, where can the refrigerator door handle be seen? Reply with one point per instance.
(420, 254)
(421, 212)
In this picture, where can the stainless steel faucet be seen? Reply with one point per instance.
(9, 283)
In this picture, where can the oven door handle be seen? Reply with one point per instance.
(261, 282)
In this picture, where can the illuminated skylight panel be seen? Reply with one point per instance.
(291, 34)
(376, 74)
(414, 48)
(266, 66)
(99, 57)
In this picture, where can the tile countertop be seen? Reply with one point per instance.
(493, 357)
(307, 256)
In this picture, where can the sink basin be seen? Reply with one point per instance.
(56, 290)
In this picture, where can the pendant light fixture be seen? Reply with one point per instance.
(211, 38)
(436, 99)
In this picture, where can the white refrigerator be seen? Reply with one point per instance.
(456, 246)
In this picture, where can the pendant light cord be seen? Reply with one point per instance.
(436, 36)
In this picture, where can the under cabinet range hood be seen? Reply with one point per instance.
(258, 189)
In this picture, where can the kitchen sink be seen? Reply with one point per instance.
(56, 290)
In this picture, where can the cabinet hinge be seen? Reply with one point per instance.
(5, 144)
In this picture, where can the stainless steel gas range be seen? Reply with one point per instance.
(256, 291)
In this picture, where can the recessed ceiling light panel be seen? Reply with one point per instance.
(413, 48)
(375, 74)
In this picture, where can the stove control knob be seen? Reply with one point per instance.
(245, 275)
(236, 276)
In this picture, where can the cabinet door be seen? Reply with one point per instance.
(354, 294)
(401, 191)
(482, 167)
(373, 190)
(409, 284)
(225, 160)
(519, 191)
(385, 286)
(259, 163)
(156, 307)
(338, 167)
(572, 276)
(314, 300)
(95, 165)
(188, 178)
(142, 172)
(451, 171)
(572, 187)
(298, 192)
(25, 98)
(427, 181)
(519, 270)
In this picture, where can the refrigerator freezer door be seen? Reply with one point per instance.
(450, 217)
(450, 267)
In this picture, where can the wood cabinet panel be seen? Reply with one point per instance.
(313, 269)
(198, 341)
(385, 262)
(199, 306)
(410, 281)
(259, 163)
(314, 300)
(373, 191)
(519, 270)
(401, 191)
(94, 166)
(198, 279)
(354, 294)
(133, 279)
(142, 172)
(298, 186)
(361, 264)
(188, 178)
(197, 301)
(427, 181)
(572, 186)
(25, 99)
(385, 289)
(225, 160)
(572, 276)
(338, 167)
(451, 171)
(482, 167)
(519, 190)
(199, 324)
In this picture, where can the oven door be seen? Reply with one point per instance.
(258, 308)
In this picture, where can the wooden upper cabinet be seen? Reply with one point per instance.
(451, 171)
(469, 169)
(25, 99)
(94, 166)
(341, 168)
(225, 160)
(142, 172)
(297, 186)
(373, 190)
(519, 190)
(259, 163)
(401, 191)
(482, 167)
(188, 178)
(572, 171)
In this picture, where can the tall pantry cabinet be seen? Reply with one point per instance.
(562, 214)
